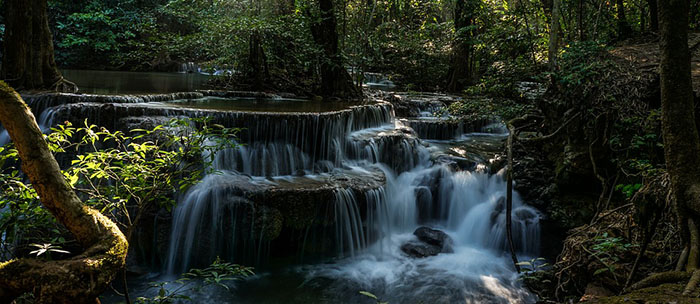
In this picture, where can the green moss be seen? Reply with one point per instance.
(666, 293)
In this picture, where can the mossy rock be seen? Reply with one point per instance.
(665, 293)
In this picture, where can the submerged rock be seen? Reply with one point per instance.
(430, 242)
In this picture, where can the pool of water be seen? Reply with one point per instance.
(116, 82)
(263, 105)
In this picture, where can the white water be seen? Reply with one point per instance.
(45, 123)
(478, 271)
(467, 205)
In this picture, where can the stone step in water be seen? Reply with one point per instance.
(242, 218)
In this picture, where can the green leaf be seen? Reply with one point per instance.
(368, 294)
(599, 271)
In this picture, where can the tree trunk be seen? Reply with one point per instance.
(623, 27)
(581, 30)
(257, 62)
(653, 16)
(681, 142)
(335, 80)
(76, 280)
(28, 59)
(461, 71)
(554, 35)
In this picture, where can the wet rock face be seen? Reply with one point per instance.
(403, 107)
(420, 250)
(430, 242)
(434, 237)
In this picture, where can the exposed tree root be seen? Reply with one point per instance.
(682, 259)
(694, 280)
(660, 278)
(63, 85)
(79, 279)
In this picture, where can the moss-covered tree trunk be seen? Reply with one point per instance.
(681, 141)
(83, 277)
(461, 72)
(28, 57)
(335, 80)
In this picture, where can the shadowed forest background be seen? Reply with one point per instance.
(349, 151)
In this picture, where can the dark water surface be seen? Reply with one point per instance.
(115, 82)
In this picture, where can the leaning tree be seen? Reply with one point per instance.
(81, 278)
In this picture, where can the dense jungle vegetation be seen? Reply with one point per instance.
(599, 98)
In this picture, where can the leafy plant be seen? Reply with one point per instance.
(372, 296)
(608, 250)
(628, 189)
(122, 176)
(217, 274)
(534, 264)
(47, 249)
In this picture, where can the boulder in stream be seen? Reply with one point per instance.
(430, 242)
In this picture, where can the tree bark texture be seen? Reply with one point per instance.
(653, 15)
(554, 35)
(335, 80)
(28, 57)
(681, 141)
(623, 27)
(461, 71)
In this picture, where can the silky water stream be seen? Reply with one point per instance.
(365, 181)
(369, 225)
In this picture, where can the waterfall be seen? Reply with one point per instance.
(189, 67)
(4, 136)
(350, 186)
(211, 221)
(349, 234)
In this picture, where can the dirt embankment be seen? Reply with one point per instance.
(597, 257)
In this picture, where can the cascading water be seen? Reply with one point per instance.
(349, 233)
(235, 214)
(370, 226)
(466, 205)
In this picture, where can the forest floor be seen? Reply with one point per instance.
(645, 55)
(665, 293)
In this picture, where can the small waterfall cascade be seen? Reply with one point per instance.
(218, 222)
(189, 67)
(357, 181)
(349, 233)
(368, 226)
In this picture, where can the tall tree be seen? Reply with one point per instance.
(653, 15)
(28, 57)
(335, 79)
(83, 277)
(624, 30)
(579, 16)
(461, 71)
(554, 34)
(681, 140)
